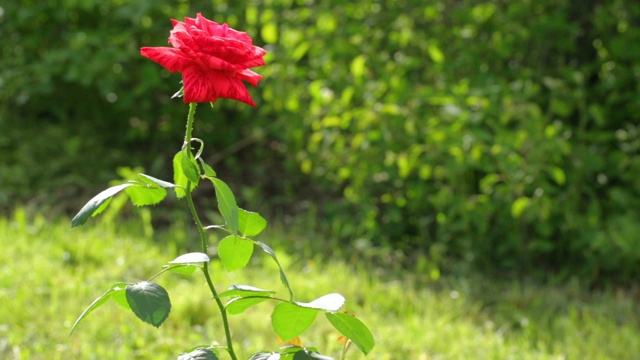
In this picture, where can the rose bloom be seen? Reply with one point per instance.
(214, 59)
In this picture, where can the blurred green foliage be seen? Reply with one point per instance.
(503, 134)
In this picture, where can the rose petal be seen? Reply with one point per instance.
(232, 46)
(249, 76)
(212, 28)
(214, 63)
(252, 63)
(207, 86)
(172, 59)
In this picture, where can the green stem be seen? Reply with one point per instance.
(223, 312)
(190, 117)
(203, 239)
(196, 218)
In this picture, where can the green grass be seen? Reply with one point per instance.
(50, 273)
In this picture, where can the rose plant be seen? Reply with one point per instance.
(214, 60)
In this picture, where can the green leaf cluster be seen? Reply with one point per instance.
(150, 302)
(290, 319)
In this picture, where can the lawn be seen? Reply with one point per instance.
(49, 273)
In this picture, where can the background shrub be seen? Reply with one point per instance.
(500, 134)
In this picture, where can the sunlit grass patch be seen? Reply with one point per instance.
(50, 273)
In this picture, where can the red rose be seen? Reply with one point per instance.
(213, 60)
